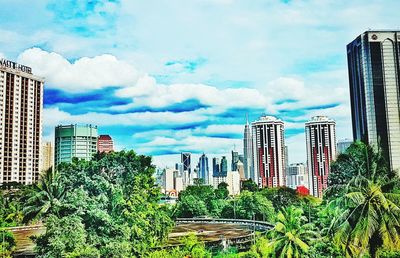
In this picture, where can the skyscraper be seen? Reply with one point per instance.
(204, 171)
(105, 143)
(268, 151)
(248, 152)
(75, 141)
(224, 167)
(235, 159)
(321, 150)
(216, 167)
(21, 105)
(374, 77)
(186, 161)
(47, 157)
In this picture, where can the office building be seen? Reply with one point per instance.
(216, 167)
(296, 175)
(234, 160)
(47, 157)
(186, 161)
(168, 180)
(204, 172)
(321, 150)
(268, 151)
(248, 152)
(342, 145)
(374, 77)
(233, 181)
(105, 144)
(224, 167)
(75, 141)
(240, 169)
(21, 106)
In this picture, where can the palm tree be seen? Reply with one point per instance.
(45, 197)
(291, 236)
(370, 216)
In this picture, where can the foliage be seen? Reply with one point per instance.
(291, 236)
(281, 196)
(249, 185)
(7, 244)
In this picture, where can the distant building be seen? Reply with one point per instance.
(248, 152)
(21, 108)
(296, 175)
(233, 181)
(47, 157)
(374, 76)
(342, 145)
(186, 161)
(268, 151)
(240, 169)
(216, 167)
(224, 167)
(75, 141)
(321, 150)
(234, 161)
(204, 172)
(105, 144)
(168, 180)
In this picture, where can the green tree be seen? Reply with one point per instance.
(370, 216)
(282, 197)
(45, 198)
(291, 236)
(7, 243)
(249, 185)
(222, 191)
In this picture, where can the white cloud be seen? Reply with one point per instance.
(82, 75)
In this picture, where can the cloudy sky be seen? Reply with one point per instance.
(165, 76)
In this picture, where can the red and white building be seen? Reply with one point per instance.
(321, 151)
(268, 152)
(105, 143)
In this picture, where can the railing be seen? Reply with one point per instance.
(23, 228)
(258, 225)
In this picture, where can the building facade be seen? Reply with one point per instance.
(224, 167)
(47, 157)
(75, 141)
(234, 160)
(248, 152)
(374, 78)
(186, 161)
(204, 172)
(268, 152)
(105, 144)
(21, 106)
(296, 175)
(216, 166)
(342, 145)
(321, 150)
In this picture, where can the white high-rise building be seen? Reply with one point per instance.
(168, 180)
(321, 150)
(21, 105)
(296, 175)
(248, 152)
(233, 181)
(268, 151)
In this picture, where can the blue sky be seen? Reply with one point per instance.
(168, 76)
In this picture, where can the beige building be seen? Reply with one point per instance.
(47, 157)
(21, 105)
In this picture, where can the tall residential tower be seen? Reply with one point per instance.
(247, 152)
(321, 150)
(374, 77)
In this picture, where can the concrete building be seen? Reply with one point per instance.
(321, 150)
(47, 157)
(240, 169)
(268, 152)
(233, 181)
(248, 152)
(21, 106)
(168, 180)
(297, 175)
(374, 77)
(75, 141)
(105, 144)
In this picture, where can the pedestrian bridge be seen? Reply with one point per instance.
(255, 225)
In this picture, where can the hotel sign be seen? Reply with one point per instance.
(14, 65)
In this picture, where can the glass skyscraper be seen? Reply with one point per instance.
(373, 65)
(75, 141)
(204, 172)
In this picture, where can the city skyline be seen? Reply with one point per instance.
(187, 94)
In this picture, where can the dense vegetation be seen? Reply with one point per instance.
(109, 207)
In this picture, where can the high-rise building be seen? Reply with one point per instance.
(296, 175)
(186, 161)
(374, 76)
(234, 161)
(224, 167)
(342, 145)
(168, 180)
(204, 171)
(216, 167)
(47, 157)
(240, 169)
(233, 181)
(321, 150)
(75, 141)
(248, 152)
(105, 144)
(21, 105)
(268, 151)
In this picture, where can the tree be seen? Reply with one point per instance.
(282, 197)
(222, 191)
(370, 215)
(291, 236)
(249, 185)
(45, 197)
(7, 243)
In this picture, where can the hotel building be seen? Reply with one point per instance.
(105, 144)
(21, 105)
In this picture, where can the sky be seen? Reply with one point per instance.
(167, 76)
